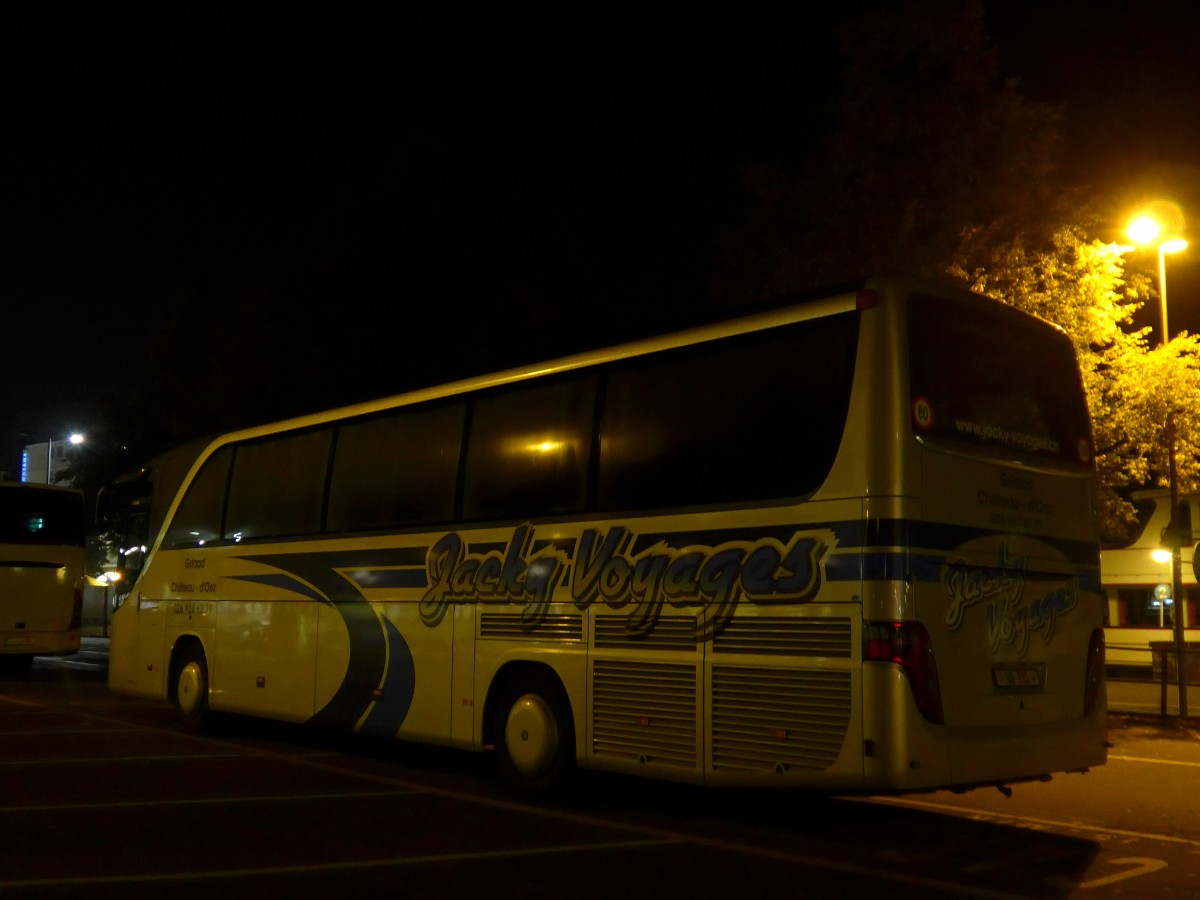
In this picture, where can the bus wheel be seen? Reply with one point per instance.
(535, 736)
(191, 688)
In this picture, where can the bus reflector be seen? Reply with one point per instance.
(1095, 671)
(907, 644)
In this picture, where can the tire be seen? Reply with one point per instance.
(534, 736)
(190, 683)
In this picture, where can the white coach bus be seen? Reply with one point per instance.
(42, 553)
(844, 544)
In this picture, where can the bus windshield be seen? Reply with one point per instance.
(998, 384)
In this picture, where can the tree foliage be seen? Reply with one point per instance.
(932, 154)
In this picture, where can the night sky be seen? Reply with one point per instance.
(382, 203)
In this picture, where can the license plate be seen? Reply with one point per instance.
(19, 641)
(1017, 676)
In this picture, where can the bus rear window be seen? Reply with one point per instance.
(991, 381)
(30, 515)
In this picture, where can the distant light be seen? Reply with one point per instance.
(1173, 246)
(76, 438)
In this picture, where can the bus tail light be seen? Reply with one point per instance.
(908, 645)
(76, 611)
(1095, 671)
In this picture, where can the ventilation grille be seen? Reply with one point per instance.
(786, 637)
(778, 719)
(670, 633)
(509, 626)
(644, 712)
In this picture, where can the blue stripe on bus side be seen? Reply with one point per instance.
(405, 568)
(377, 689)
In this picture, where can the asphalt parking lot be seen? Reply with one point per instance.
(103, 795)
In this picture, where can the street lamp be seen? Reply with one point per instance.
(1146, 230)
(74, 439)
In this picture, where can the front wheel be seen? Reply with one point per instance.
(534, 736)
(191, 688)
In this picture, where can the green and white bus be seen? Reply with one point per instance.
(848, 543)
(41, 572)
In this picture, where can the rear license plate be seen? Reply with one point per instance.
(19, 641)
(1017, 676)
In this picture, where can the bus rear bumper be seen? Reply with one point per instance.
(922, 756)
(55, 644)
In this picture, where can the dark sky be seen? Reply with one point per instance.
(405, 199)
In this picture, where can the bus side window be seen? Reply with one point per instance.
(757, 418)
(399, 469)
(278, 486)
(197, 521)
(528, 450)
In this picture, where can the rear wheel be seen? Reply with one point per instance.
(534, 735)
(191, 688)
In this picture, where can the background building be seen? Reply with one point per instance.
(46, 461)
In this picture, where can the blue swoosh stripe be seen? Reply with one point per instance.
(399, 686)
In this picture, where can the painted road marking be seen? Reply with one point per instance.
(1160, 762)
(1141, 866)
(1031, 820)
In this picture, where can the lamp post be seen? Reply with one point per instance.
(1146, 230)
(109, 579)
(74, 439)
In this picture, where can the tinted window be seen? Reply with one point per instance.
(277, 486)
(31, 515)
(396, 470)
(528, 450)
(198, 518)
(750, 418)
(995, 380)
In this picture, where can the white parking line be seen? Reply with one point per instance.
(1161, 762)
(395, 862)
(1033, 820)
(199, 801)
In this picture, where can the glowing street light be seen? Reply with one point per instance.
(1145, 230)
(75, 439)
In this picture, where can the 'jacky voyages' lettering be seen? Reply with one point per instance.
(604, 566)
